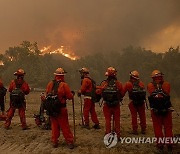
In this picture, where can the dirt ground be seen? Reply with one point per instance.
(37, 141)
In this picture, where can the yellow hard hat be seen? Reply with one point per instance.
(19, 72)
(134, 74)
(84, 70)
(111, 71)
(156, 73)
(60, 71)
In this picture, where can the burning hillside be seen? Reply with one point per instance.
(63, 50)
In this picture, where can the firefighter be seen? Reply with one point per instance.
(59, 115)
(137, 96)
(2, 95)
(89, 104)
(18, 89)
(161, 108)
(41, 120)
(112, 93)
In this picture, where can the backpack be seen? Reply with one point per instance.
(111, 94)
(17, 96)
(160, 105)
(3, 91)
(138, 94)
(94, 97)
(52, 104)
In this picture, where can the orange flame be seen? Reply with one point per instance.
(45, 49)
(68, 54)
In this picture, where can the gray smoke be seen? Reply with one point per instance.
(85, 25)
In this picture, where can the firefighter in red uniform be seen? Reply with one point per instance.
(137, 96)
(60, 121)
(89, 105)
(161, 108)
(112, 92)
(18, 89)
(2, 94)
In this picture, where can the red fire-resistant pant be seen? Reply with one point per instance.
(89, 107)
(10, 115)
(159, 122)
(61, 122)
(111, 113)
(142, 116)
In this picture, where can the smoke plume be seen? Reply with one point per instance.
(88, 26)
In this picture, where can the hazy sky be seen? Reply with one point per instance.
(90, 25)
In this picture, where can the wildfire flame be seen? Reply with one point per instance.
(45, 49)
(69, 54)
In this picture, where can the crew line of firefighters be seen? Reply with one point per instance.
(111, 90)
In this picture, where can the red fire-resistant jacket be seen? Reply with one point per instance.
(165, 87)
(24, 87)
(64, 91)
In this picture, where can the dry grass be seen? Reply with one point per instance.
(36, 140)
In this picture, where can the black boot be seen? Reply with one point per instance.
(85, 126)
(96, 126)
(71, 146)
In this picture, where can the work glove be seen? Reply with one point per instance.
(73, 92)
(79, 93)
(43, 97)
